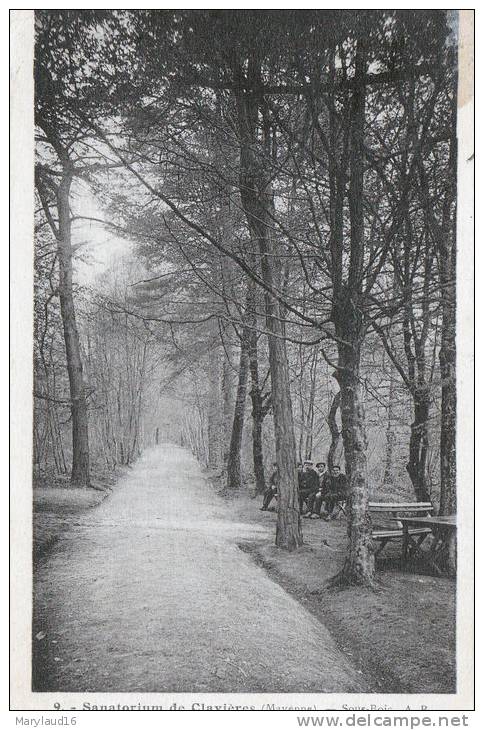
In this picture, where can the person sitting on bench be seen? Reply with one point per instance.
(335, 490)
(271, 490)
(321, 470)
(308, 484)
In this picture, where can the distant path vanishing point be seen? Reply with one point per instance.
(149, 593)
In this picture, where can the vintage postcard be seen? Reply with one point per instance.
(242, 360)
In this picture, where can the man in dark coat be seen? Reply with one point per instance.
(308, 485)
(313, 508)
(334, 490)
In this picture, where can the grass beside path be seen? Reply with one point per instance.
(56, 505)
(402, 635)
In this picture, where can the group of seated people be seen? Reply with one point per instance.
(320, 491)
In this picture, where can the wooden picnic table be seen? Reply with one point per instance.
(444, 532)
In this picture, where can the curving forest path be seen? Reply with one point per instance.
(149, 592)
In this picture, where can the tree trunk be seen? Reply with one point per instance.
(80, 434)
(288, 532)
(419, 445)
(256, 197)
(359, 566)
(233, 462)
(447, 355)
(334, 430)
(214, 416)
(258, 453)
(257, 415)
(310, 415)
(388, 475)
(228, 402)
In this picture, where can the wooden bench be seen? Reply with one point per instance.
(386, 525)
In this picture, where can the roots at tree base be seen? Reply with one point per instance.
(351, 575)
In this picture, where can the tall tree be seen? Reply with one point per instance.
(349, 327)
(57, 194)
(64, 44)
(257, 200)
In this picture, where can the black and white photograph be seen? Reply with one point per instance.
(247, 461)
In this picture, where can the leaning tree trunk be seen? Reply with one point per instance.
(256, 197)
(258, 414)
(233, 462)
(334, 430)
(80, 434)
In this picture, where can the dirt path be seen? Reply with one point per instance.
(149, 592)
